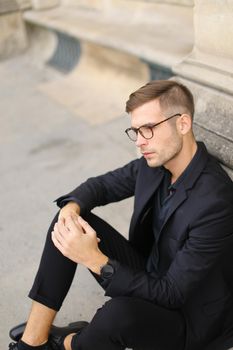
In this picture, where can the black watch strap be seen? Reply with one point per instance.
(108, 270)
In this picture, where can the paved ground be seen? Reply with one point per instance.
(46, 151)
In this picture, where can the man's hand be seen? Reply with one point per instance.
(77, 240)
(70, 209)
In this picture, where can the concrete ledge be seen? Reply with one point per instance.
(208, 70)
(148, 32)
(104, 75)
(122, 46)
(107, 76)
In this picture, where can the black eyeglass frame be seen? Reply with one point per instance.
(150, 126)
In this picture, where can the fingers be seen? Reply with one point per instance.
(73, 224)
(60, 231)
(56, 242)
(85, 226)
(78, 224)
(62, 213)
(59, 235)
(75, 239)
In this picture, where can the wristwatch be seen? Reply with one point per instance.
(108, 270)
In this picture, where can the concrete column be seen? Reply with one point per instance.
(208, 72)
(211, 61)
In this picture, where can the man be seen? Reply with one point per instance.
(171, 283)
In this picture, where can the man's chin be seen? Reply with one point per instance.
(153, 163)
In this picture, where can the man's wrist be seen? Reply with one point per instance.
(73, 204)
(96, 263)
(108, 270)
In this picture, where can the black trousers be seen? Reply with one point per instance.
(121, 322)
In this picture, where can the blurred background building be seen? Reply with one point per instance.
(111, 47)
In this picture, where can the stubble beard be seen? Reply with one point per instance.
(161, 158)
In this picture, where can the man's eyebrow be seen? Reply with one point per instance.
(146, 124)
(149, 124)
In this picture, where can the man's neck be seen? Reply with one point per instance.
(177, 165)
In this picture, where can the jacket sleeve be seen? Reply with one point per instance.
(110, 187)
(208, 239)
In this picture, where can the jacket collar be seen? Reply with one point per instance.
(151, 178)
(188, 179)
(195, 167)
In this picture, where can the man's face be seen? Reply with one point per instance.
(165, 145)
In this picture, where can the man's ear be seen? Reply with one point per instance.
(184, 123)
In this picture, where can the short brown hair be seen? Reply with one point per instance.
(170, 93)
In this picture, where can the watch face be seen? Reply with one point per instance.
(107, 271)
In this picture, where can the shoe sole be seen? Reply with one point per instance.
(17, 331)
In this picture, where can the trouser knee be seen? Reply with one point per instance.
(115, 317)
(109, 328)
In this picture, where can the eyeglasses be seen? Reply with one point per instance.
(146, 130)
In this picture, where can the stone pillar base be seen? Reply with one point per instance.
(208, 70)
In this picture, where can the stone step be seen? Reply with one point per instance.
(149, 33)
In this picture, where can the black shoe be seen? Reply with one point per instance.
(17, 331)
(56, 339)
(56, 336)
(14, 346)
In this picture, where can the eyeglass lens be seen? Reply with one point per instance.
(145, 131)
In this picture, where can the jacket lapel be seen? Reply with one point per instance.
(178, 199)
(151, 186)
(149, 180)
(188, 182)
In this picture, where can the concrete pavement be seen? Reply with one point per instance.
(46, 150)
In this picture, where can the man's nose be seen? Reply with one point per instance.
(140, 140)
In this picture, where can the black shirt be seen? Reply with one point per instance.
(162, 202)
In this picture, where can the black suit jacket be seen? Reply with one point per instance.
(195, 246)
